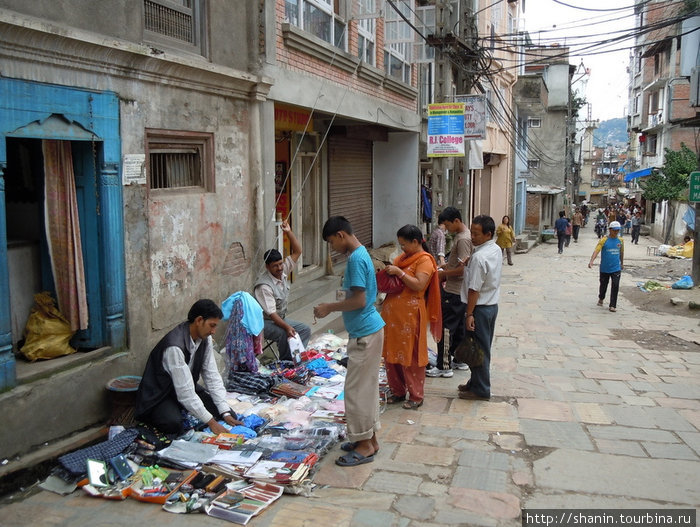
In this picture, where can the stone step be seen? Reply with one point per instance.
(523, 245)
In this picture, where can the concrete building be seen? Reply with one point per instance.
(342, 116)
(189, 128)
(480, 44)
(660, 114)
(588, 184)
(544, 90)
(159, 107)
(493, 188)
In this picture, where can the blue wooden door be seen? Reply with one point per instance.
(84, 166)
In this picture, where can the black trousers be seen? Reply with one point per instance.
(561, 238)
(635, 233)
(166, 416)
(614, 287)
(576, 229)
(453, 314)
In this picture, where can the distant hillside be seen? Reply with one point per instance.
(611, 132)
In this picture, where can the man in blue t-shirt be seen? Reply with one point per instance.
(365, 328)
(612, 255)
(560, 227)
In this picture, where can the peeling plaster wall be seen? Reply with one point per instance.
(180, 242)
(178, 245)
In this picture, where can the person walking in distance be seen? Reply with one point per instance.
(560, 227)
(636, 223)
(577, 222)
(505, 238)
(612, 253)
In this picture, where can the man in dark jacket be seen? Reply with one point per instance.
(560, 227)
(169, 382)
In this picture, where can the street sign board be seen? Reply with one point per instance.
(446, 129)
(694, 186)
(474, 115)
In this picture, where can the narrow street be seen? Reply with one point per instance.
(581, 417)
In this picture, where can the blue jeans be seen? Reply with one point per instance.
(484, 327)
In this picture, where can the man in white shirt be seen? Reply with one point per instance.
(272, 293)
(480, 291)
(169, 382)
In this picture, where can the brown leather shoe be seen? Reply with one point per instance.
(472, 396)
(463, 388)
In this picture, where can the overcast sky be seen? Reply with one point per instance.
(547, 22)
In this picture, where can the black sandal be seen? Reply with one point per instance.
(395, 399)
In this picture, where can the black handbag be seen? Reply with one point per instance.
(469, 352)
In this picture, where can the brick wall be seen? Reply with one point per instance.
(682, 135)
(295, 60)
(680, 101)
(532, 212)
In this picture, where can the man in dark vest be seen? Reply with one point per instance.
(272, 293)
(170, 380)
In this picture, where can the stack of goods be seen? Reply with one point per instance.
(292, 415)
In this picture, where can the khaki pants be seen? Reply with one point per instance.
(362, 386)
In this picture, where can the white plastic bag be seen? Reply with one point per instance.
(296, 348)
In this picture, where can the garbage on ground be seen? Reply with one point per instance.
(651, 285)
(686, 282)
(677, 251)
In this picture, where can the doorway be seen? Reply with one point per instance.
(29, 262)
(306, 196)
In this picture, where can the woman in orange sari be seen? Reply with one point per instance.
(407, 315)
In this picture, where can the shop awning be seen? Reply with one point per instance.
(638, 173)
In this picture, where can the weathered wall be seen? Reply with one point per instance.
(549, 147)
(123, 19)
(178, 246)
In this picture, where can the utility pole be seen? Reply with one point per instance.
(448, 46)
(461, 182)
(443, 83)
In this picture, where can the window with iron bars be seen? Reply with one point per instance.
(175, 22)
(180, 160)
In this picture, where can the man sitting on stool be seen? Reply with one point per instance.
(272, 293)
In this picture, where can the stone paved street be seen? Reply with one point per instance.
(578, 419)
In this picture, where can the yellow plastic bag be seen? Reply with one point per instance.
(48, 333)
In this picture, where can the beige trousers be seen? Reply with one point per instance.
(362, 386)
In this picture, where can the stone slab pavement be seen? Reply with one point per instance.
(579, 418)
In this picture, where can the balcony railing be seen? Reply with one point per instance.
(655, 119)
